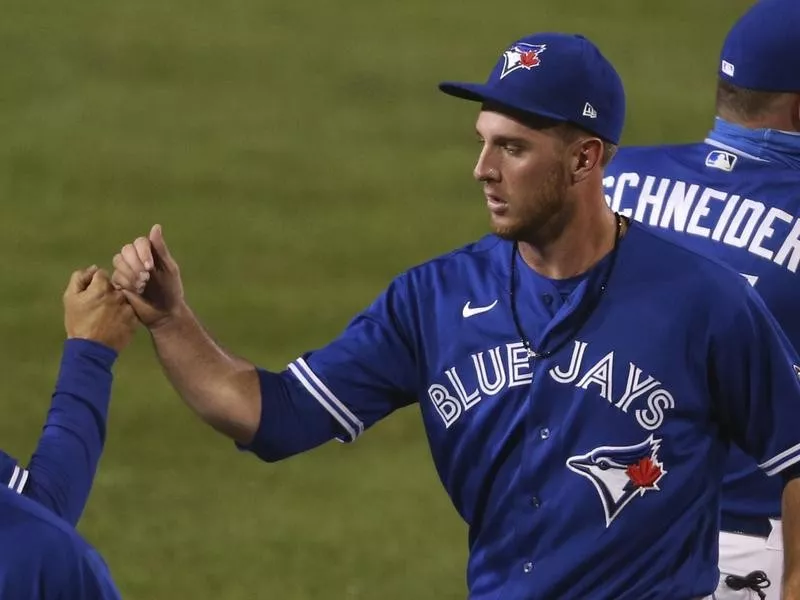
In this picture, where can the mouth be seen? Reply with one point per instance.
(495, 204)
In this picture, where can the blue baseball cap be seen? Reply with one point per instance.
(555, 75)
(762, 49)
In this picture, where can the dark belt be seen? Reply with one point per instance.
(755, 526)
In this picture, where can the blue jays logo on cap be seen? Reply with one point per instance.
(568, 79)
(621, 473)
(521, 56)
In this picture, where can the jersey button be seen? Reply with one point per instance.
(535, 502)
(527, 567)
(547, 299)
(544, 433)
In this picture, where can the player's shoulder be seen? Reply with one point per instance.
(710, 158)
(40, 524)
(632, 158)
(655, 251)
(484, 255)
(37, 545)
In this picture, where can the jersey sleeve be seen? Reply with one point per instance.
(340, 390)
(756, 379)
(62, 469)
(12, 475)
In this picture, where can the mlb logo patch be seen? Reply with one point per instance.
(521, 56)
(719, 159)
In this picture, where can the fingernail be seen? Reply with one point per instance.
(148, 265)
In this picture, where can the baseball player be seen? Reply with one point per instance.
(736, 197)
(578, 376)
(42, 556)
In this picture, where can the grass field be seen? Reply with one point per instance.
(298, 156)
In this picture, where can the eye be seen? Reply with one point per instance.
(603, 464)
(512, 150)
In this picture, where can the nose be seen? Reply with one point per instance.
(484, 171)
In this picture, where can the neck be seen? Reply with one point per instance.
(779, 120)
(574, 248)
(772, 145)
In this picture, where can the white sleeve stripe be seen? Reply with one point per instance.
(22, 481)
(330, 395)
(783, 455)
(12, 482)
(783, 465)
(311, 390)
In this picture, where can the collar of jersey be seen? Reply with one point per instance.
(771, 145)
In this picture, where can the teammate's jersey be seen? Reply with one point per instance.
(593, 473)
(43, 558)
(12, 474)
(60, 473)
(735, 208)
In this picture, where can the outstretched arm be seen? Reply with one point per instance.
(221, 388)
(99, 324)
(62, 469)
(334, 392)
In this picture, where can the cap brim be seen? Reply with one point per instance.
(479, 92)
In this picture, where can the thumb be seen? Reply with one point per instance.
(159, 245)
(100, 280)
(81, 279)
(143, 309)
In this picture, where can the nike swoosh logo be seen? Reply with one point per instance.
(471, 311)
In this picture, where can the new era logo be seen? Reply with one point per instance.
(728, 68)
(589, 111)
(719, 159)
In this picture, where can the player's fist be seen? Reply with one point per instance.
(94, 310)
(146, 273)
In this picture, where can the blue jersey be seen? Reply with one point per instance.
(593, 473)
(736, 208)
(60, 473)
(42, 557)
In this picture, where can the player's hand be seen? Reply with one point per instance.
(94, 310)
(150, 279)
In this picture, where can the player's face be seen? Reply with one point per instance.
(524, 175)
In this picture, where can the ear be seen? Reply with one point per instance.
(587, 155)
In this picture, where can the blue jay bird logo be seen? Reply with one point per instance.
(620, 473)
(522, 56)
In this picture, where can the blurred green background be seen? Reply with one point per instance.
(298, 156)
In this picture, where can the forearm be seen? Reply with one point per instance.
(791, 540)
(221, 388)
(64, 464)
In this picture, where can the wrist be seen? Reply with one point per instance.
(82, 346)
(173, 320)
